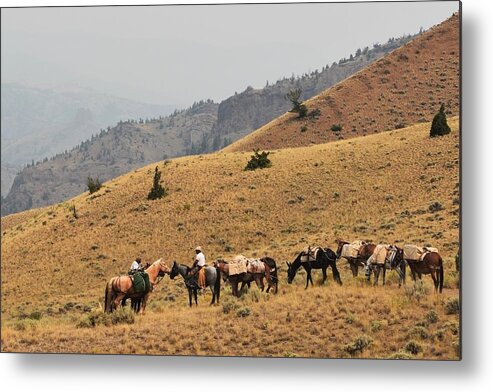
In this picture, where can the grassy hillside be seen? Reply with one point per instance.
(405, 87)
(396, 187)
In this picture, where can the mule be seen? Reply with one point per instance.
(364, 253)
(212, 280)
(120, 287)
(431, 264)
(393, 262)
(246, 278)
(325, 258)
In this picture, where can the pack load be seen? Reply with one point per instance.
(379, 255)
(238, 265)
(351, 251)
(417, 253)
(309, 254)
(141, 282)
(255, 266)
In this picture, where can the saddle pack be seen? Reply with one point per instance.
(417, 253)
(351, 251)
(238, 265)
(309, 254)
(141, 282)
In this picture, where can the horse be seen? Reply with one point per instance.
(212, 280)
(120, 287)
(432, 264)
(270, 276)
(395, 262)
(135, 303)
(364, 253)
(246, 278)
(325, 258)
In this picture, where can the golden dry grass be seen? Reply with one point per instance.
(378, 187)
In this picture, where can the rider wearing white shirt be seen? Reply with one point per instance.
(135, 265)
(198, 264)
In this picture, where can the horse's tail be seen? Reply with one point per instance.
(108, 297)
(440, 287)
(217, 284)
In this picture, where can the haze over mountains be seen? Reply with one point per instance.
(40, 122)
(214, 126)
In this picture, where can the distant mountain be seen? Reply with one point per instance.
(8, 174)
(38, 122)
(205, 127)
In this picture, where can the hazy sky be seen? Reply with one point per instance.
(179, 54)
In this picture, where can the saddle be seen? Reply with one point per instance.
(309, 254)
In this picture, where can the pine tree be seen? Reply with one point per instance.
(439, 126)
(157, 190)
(298, 106)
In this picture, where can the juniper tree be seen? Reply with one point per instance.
(157, 190)
(439, 126)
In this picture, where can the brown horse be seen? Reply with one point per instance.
(432, 264)
(365, 251)
(246, 278)
(121, 287)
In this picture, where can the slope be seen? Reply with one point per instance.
(405, 87)
(46, 182)
(399, 187)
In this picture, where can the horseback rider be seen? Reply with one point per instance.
(198, 267)
(136, 266)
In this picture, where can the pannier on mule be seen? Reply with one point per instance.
(417, 253)
(238, 265)
(351, 251)
(382, 254)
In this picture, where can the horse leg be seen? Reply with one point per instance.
(195, 294)
(354, 268)
(324, 275)
(118, 299)
(144, 303)
(435, 281)
(377, 274)
(190, 296)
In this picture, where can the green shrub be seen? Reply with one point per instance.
(432, 316)
(243, 312)
(452, 306)
(413, 347)
(121, 316)
(418, 332)
(439, 126)
(93, 185)
(230, 305)
(416, 291)
(375, 326)
(259, 161)
(358, 345)
(336, 128)
(400, 355)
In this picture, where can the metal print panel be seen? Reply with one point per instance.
(269, 180)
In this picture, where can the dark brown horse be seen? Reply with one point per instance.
(270, 273)
(432, 264)
(325, 258)
(365, 251)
